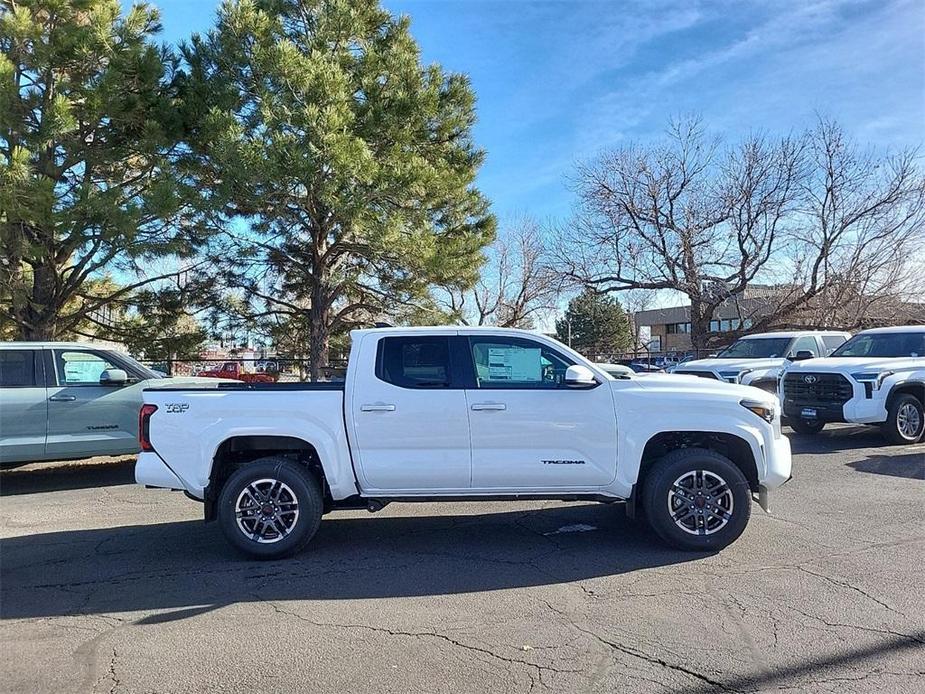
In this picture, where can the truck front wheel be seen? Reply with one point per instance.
(270, 508)
(696, 499)
(905, 420)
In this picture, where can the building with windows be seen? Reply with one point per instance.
(669, 328)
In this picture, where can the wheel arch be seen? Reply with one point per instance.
(735, 448)
(237, 451)
(914, 388)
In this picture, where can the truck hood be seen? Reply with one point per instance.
(731, 364)
(695, 386)
(855, 364)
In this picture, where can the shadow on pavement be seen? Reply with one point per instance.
(58, 477)
(836, 438)
(911, 465)
(187, 568)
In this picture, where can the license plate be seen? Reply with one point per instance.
(808, 412)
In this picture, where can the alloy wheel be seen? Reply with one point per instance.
(909, 421)
(266, 510)
(700, 502)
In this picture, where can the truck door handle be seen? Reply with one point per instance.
(63, 398)
(378, 407)
(489, 406)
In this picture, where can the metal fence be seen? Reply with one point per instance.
(260, 370)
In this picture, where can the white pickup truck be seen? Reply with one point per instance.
(876, 377)
(757, 360)
(465, 413)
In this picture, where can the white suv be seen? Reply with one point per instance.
(757, 360)
(876, 377)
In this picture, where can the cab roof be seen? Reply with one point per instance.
(894, 329)
(424, 329)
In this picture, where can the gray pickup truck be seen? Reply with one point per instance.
(66, 400)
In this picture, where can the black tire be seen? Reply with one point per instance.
(297, 483)
(657, 500)
(903, 405)
(806, 426)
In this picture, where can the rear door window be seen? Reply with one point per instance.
(414, 362)
(17, 368)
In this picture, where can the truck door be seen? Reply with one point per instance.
(84, 417)
(409, 422)
(23, 406)
(529, 430)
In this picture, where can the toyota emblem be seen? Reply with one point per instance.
(809, 379)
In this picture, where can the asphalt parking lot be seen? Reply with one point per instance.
(108, 587)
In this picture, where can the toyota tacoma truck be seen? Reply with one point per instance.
(876, 377)
(757, 360)
(449, 414)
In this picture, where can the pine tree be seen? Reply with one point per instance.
(88, 135)
(595, 325)
(348, 165)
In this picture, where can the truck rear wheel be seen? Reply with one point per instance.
(905, 420)
(806, 426)
(270, 508)
(696, 499)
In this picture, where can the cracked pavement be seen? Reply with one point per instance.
(107, 587)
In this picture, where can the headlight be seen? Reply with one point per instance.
(874, 378)
(730, 376)
(762, 409)
(742, 374)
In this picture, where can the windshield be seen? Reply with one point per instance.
(883, 345)
(764, 348)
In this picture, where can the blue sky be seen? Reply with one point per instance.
(558, 82)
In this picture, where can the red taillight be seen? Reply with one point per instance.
(144, 426)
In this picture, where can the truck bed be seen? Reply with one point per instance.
(190, 424)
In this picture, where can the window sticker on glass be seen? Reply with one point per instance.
(514, 364)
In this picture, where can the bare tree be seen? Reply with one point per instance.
(516, 287)
(813, 218)
(687, 215)
(855, 248)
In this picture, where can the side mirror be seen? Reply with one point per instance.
(579, 376)
(803, 355)
(113, 377)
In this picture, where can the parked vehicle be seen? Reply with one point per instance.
(465, 413)
(644, 367)
(876, 377)
(64, 400)
(757, 360)
(679, 364)
(616, 370)
(236, 371)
